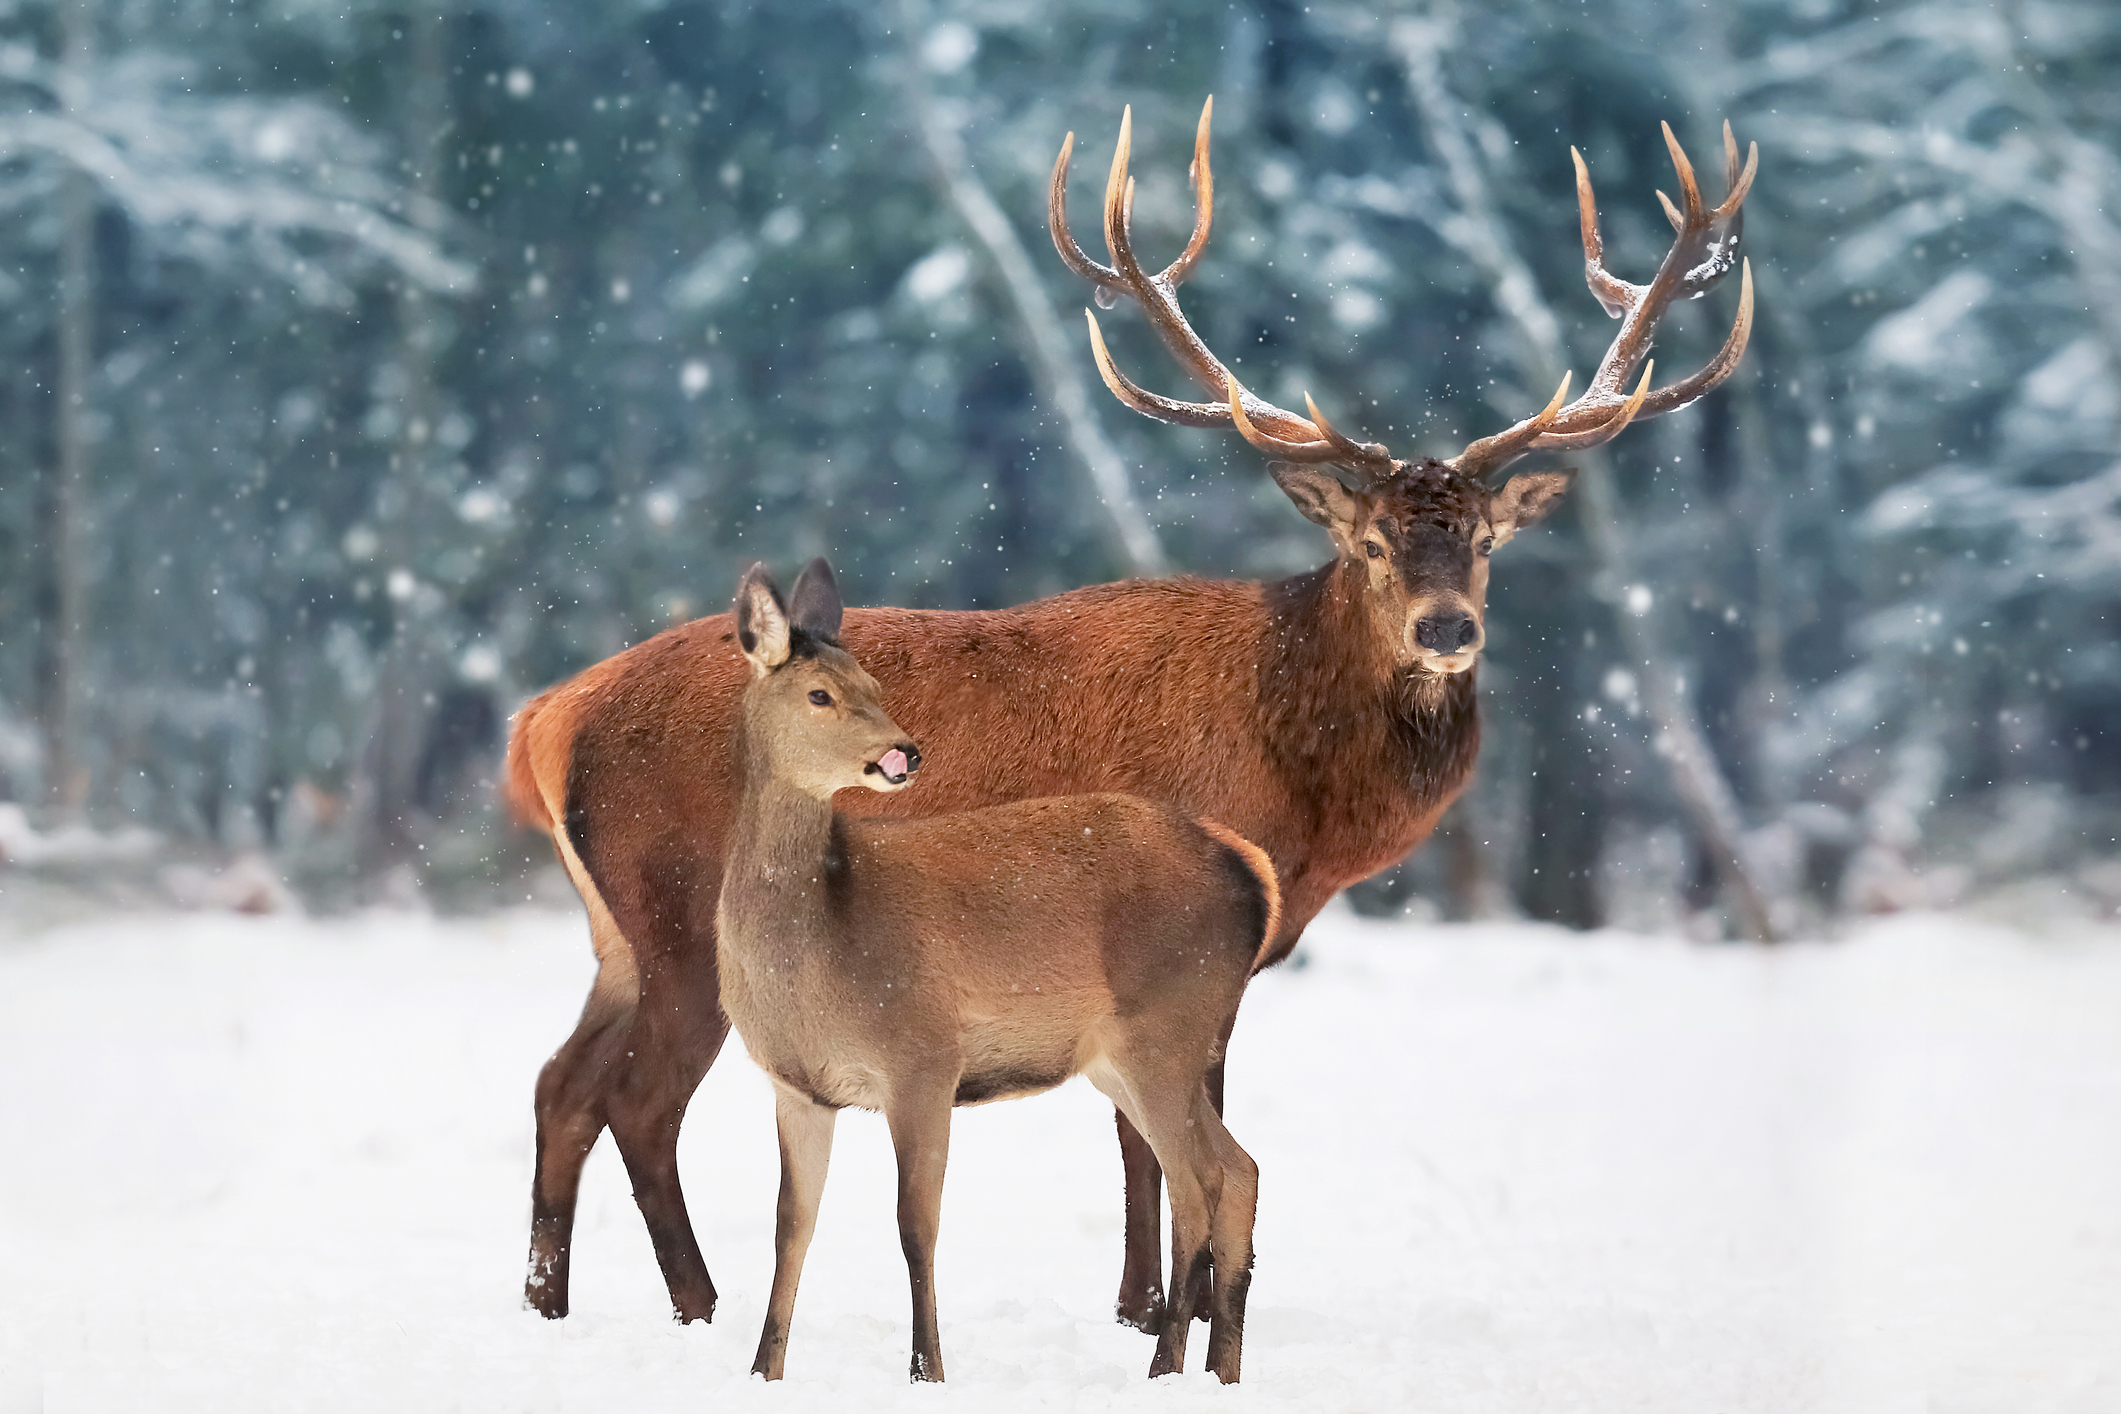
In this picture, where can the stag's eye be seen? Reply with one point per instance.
(1487, 543)
(820, 697)
(1374, 550)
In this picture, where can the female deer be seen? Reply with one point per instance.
(909, 966)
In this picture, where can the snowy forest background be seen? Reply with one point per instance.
(366, 370)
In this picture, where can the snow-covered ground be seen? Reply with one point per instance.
(272, 1164)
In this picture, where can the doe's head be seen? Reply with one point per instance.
(1420, 540)
(812, 717)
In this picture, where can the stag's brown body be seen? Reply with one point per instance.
(1329, 717)
(1272, 707)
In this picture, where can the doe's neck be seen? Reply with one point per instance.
(782, 831)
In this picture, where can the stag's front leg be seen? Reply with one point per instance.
(1141, 1281)
(806, 1151)
(920, 1132)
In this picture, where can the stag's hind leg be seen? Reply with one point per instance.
(573, 1093)
(668, 1055)
(570, 1111)
(919, 1114)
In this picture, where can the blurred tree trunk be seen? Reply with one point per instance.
(61, 506)
(1475, 227)
(1565, 809)
(1035, 327)
(1471, 889)
(385, 817)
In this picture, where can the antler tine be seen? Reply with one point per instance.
(1118, 238)
(1141, 399)
(1718, 368)
(1370, 455)
(1071, 254)
(1612, 293)
(1741, 182)
(1687, 189)
(1308, 452)
(1203, 181)
(1605, 431)
(1483, 456)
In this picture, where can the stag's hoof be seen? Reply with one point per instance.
(545, 1289)
(1144, 1311)
(686, 1310)
(551, 1305)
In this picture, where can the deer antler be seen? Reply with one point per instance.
(1703, 253)
(1270, 428)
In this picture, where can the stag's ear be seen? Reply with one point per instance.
(761, 621)
(1524, 500)
(814, 603)
(1322, 499)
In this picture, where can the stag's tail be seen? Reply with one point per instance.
(1261, 868)
(519, 780)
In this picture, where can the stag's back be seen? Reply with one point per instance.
(1166, 689)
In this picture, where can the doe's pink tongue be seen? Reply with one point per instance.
(892, 763)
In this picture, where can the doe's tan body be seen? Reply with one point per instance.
(910, 966)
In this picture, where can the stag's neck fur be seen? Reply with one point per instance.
(1337, 704)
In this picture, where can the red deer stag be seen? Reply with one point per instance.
(1329, 717)
(912, 965)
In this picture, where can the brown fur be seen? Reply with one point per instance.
(1300, 714)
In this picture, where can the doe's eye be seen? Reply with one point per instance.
(1374, 550)
(1487, 543)
(819, 696)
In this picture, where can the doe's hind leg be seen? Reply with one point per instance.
(1160, 1105)
(1230, 1237)
(919, 1114)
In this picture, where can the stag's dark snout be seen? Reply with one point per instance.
(1447, 633)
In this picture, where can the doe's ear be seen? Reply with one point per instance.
(1525, 499)
(1321, 498)
(761, 621)
(814, 603)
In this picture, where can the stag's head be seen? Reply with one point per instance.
(813, 718)
(1417, 534)
(1418, 545)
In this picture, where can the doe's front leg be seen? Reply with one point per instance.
(806, 1150)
